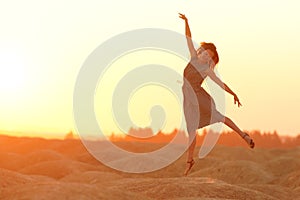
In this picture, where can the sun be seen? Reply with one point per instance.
(12, 73)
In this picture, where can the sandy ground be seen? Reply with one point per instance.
(32, 168)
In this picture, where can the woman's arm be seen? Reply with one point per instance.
(188, 35)
(218, 81)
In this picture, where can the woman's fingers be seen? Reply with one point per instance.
(182, 16)
(239, 103)
(236, 99)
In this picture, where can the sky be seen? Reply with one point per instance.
(43, 45)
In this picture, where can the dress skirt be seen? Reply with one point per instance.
(199, 109)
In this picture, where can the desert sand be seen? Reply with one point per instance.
(35, 168)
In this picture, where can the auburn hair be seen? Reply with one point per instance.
(209, 46)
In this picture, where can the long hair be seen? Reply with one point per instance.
(205, 46)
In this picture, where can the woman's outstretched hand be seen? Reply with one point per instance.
(182, 16)
(236, 100)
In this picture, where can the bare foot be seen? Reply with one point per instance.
(189, 165)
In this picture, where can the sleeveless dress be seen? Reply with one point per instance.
(199, 107)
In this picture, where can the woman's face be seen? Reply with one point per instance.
(206, 55)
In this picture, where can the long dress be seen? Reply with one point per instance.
(199, 107)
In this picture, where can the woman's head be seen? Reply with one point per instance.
(208, 51)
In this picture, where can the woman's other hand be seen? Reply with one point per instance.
(182, 16)
(236, 100)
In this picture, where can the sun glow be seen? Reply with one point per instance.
(12, 73)
(43, 47)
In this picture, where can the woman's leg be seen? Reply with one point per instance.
(192, 121)
(190, 158)
(234, 127)
(192, 145)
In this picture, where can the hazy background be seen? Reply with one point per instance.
(43, 45)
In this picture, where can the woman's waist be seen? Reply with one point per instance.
(194, 86)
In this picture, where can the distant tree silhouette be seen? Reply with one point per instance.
(69, 136)
(226, 138)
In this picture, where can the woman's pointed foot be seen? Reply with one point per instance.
(249, 140)
(189, 165)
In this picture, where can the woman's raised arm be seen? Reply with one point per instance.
(188, 35)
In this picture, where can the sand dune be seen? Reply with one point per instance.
(173, 188)
(272, 190)
(10, 178)
(62, 190)
(291, 180)
(237, 172)
(64, 169)
(283, 165)
(42, 155)
(92, 177)
(57, 169)
(11, 161)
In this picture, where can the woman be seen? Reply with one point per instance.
(199, 107)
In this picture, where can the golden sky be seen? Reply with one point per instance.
(44, 44)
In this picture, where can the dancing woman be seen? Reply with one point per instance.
(199, 107)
